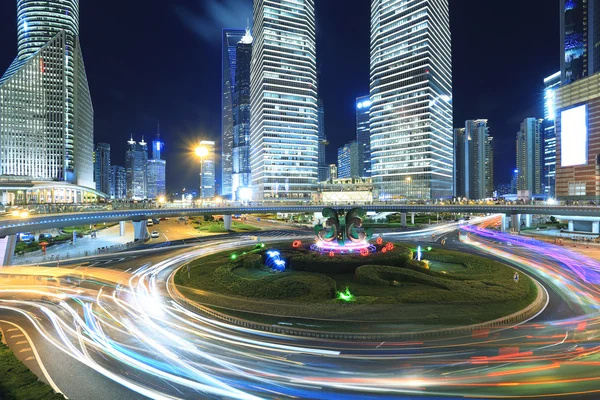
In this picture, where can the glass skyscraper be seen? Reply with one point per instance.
(231, 38)
(45, 105)
(551, 83)
(529, 156)
(156, 174)
(136, 161)
(118, 182)
(473, 161)
(284, 108)
(411, 92)
(102, 167)
(241, 119)
(207, 175)
(363, 131)
(350, 161)
(323, 166)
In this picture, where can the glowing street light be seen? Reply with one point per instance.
(201, 152)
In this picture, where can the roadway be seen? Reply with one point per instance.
(120, 321)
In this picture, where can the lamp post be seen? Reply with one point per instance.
(408, 184)
(201, 152)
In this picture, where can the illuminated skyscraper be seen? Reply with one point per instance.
(473, 161)
(411, 92)
(136, 161)
(102, 167)
(551, 83)
(231, 38)
(207, 175)
(350, 161)
(323, 166)
(156, 172)
(118, 182)
(363, 132)
(529, 156)
(284, 116)
(45, 105)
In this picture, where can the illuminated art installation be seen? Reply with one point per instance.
(343, 234)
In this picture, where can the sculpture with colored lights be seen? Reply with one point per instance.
(274, 261)
(342, 234)
(345, 295)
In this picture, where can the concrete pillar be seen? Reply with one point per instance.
(140, 231)
(515, 222)
(7, 249)
(528, 220)
(227, 222)
(412, 218)
(403, 220)
(571, 226)
(596, 227)
(503, 223)
(122, 228)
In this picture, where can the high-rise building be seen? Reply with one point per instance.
(363, 131)
(551, 83)
(118, 182)
(350, 161)
(207, 173)
(231, 38)
(411, 92)
(333, 172)
(284, 111)
(323, 166)
(529, 156)
(102, 167)
(136, 161)
(241, 120)
(579, 38)
(156, 172)
(473, 161)
(46, 114)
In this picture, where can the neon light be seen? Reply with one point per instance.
(345, 295)
(419, 253)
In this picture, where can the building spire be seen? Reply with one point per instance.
(131, 141)
(158, 130)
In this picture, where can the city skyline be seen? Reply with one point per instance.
(185, 110)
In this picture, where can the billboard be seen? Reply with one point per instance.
(574, 136)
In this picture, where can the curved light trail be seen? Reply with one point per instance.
(130, 328)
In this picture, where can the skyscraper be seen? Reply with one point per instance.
(231, 38)
(579, 36)
(551, 83)
(45, 105)
(156, 172)
(102, 167)
(207, 171)
(241, 119)
(529, 156)
(284, 116)
(323, 166)
(136, 161)
(118, 182)
(411, 92)
(363, 131)
(473, 162)
(350, 161)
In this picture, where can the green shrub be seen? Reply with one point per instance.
(381, 275)
(252, 261)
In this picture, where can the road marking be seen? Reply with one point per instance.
(14, 336)
(11, 330)
(21, 342)
(30, 358)
(25, 350)
(44, 371)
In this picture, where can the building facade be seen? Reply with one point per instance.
(136, 161)
(323, 166)
(156, 172)
(333, 172)
(461, 163)
(208, 180)
(231, 38)
(241, 119)
(578, 140)
(350, 161)
(284, 108)
(46, 110)
(363, 131)
(529, 157)
(473, 161)
(411, 93)
(118, 182)
(551, 83)
(102, 168)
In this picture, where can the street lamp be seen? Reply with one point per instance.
(201, 152)
(408, 182)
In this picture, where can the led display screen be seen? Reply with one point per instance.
(574, 136)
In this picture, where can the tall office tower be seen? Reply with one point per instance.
(551, 83)
(514, 180)
(136, 161)
(45, 105)
(118, 182)
(207, 171)
(241, 120)
(323, 166)
(411, 94)
(351, 161)
(579, 37)
(102, 167)
(333, 172)
(284, 117)
(231, 38)
(473, 162)
(529, 156)
(156, 172)
(363, 131)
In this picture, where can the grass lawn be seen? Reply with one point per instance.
(456, 288)
(218, 227)
(18, 382)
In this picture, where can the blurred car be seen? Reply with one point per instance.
(154, 234)
(45, 237)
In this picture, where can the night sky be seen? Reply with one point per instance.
(151, 60)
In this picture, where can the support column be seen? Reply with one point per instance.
(571, 226)
(412, 218)
(227, 222)
(528, 220)
(122, 228)
(596, 227)
(7, 249)
(503, 223)
(403, 220)
(515, 222)
(140, 231)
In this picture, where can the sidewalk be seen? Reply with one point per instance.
(108, 238)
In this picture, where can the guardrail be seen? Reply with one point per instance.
(538, 305)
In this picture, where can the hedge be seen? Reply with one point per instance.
(382, 275)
